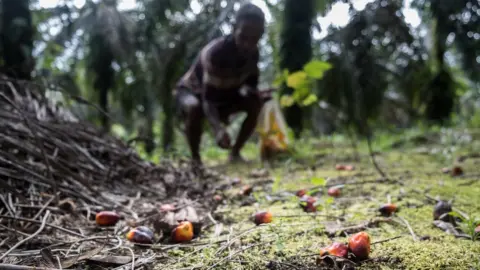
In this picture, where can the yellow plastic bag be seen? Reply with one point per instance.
(273, 130)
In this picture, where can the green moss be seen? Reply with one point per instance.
(293, 238)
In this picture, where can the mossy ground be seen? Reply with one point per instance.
(292, 242)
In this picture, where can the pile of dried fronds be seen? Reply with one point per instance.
(57, 172)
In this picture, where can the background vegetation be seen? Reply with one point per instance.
(375, 73)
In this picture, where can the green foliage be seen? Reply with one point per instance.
(468, 225)
(318, 181)
(302, 82)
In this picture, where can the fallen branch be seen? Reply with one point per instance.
(21, 267)
(48, 225)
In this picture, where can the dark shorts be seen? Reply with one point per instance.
(227, 103)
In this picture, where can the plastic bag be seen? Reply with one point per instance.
(273, 130)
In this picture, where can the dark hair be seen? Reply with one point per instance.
(250, 12)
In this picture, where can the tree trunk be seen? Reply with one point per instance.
(441, 89)
(103, 100)
(100, 61)
(296, 50)
(150, 117)
(17, 38)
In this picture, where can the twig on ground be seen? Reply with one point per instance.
(414, 236)
(4, 266)
(356, 228)
(138, 263)
(133, 257)
(387, 240)
(41, 210)
(307, 215)
(230, 241)
(13, 230)
(372, 157)
(44, 222)
(48, 225)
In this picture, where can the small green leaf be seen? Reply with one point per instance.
(301, 93)
(318, 181)
(297, 79)
(315, 69)
(312, 191)
(312, 98)
(455, 214)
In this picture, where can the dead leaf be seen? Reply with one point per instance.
(48, 257)
(166, 224)
(70, 262)
(120, 260)
(449, 229)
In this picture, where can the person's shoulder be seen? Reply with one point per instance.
(217, 44)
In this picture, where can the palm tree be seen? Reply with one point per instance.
(17, 38)
(296, 49)
(458, 17)
(362, 66)
(107, 39)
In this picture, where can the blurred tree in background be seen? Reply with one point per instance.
(17, 38)
(382, 72)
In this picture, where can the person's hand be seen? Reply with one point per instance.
(222, 139)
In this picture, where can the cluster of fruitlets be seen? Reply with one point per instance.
(358, 245)
(183, 232)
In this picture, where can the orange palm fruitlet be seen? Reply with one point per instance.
(247, 190)
(359, 245)
(141, 237)
(183, 232)
(263, 217)
(107, 218)
(388, 209)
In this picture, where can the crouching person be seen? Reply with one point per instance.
(223, 81)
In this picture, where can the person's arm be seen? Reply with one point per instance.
(211, 62)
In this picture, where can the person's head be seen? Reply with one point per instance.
(249, 27)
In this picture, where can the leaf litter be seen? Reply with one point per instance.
(58, 172)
